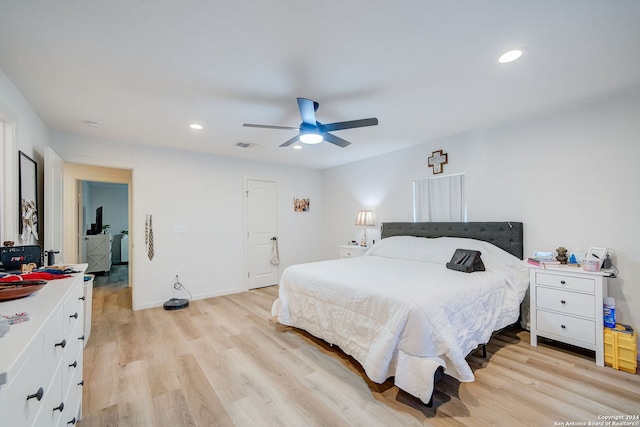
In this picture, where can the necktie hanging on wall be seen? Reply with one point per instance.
(148, 238)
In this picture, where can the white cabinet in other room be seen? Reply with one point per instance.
(98, 252)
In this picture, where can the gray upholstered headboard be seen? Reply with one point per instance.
(505, 235)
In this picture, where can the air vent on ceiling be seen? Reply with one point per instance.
(93, 124)
(245, 144)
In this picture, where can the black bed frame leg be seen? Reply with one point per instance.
(437, 375)
(484, 351)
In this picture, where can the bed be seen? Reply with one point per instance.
(399, 311)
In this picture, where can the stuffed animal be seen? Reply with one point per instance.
(562, 255)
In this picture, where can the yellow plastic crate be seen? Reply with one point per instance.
(621, 348)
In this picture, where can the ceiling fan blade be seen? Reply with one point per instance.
(307, 110)
(351, 124)
(291, 141)
(336, 140)
(251, 125)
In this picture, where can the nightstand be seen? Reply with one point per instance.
(352, 251)
(566, 306)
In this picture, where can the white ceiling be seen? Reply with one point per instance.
(426, 69)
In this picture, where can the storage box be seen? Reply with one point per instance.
(12, 257)
(621, 348)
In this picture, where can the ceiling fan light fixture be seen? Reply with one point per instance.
(311, 138)
(311, 131)
(510, 56)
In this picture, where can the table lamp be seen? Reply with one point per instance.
(365, 219)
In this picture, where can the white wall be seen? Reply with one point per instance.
(204, 195)
(571, 176)
(23, 131)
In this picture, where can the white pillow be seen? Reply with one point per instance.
(439, 250)
(408, 248)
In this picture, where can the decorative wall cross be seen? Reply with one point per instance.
(437, 160)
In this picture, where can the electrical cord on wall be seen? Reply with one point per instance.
(613, 270)
(177, 286)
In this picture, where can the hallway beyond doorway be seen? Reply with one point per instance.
(117, 278)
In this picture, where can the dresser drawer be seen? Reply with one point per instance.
(52, 404)
(566, 302)
(73, 311)
(583, 284)
(54, 343)
(16, 409)
(72, 399)
(570, 328)
(72, 360)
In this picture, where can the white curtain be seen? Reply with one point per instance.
(439, 199)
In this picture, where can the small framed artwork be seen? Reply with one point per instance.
(28, 192)
(301, 204)
(596, 254)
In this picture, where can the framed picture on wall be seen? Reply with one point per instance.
(28, 192)
(301, 204)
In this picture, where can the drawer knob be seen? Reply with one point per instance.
(75, 315)
(563, 326)
(563, 301)
(81, 298)
(38, 394)
(81, 338)
(562, 282)
(74, 364)
(62, 344)
(81, 382)
(60, 407)
(72, 422)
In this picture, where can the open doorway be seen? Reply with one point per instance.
(76, 225)
(104, 232)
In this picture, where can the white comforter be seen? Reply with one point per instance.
(400, 312)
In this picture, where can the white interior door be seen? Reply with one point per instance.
(53, 218)
(261, 229)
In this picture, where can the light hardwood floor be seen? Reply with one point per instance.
(226, 362)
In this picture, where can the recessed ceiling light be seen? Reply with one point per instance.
(195, 126)
(93, 124)
(510, 56)
(297, 147)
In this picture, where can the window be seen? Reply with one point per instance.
(439, 199)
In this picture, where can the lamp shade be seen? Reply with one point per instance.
(365, 218)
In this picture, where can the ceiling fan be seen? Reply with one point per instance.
(314, 132)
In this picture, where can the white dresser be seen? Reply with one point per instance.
(350, 251)
(41, 359)
(98, 252)
(566, 306)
